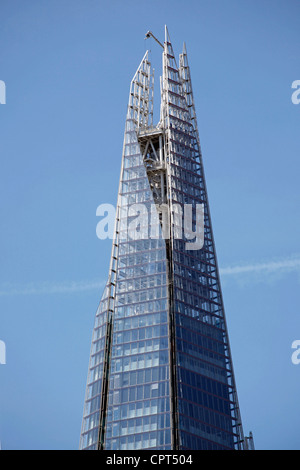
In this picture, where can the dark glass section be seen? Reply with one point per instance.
(204, 393)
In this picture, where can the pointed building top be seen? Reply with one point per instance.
(167, 37)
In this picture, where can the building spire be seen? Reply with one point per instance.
(167, 37)
(160, 349)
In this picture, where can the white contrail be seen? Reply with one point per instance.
(51, 288)
(287, 265)
(272, 267)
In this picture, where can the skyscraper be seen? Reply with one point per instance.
(160, 373)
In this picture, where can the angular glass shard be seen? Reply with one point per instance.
(160, 373)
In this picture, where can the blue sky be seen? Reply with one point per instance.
(67, 67)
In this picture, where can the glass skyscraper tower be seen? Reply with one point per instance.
(160, 373)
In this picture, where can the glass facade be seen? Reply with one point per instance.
(160, 373)
(138, 412)
(204, 397)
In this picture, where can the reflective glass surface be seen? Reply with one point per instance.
(138, 414)
(203, 391)
(168, 344)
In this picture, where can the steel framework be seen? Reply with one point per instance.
(160, 373)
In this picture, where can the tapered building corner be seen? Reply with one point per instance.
(160, 373)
